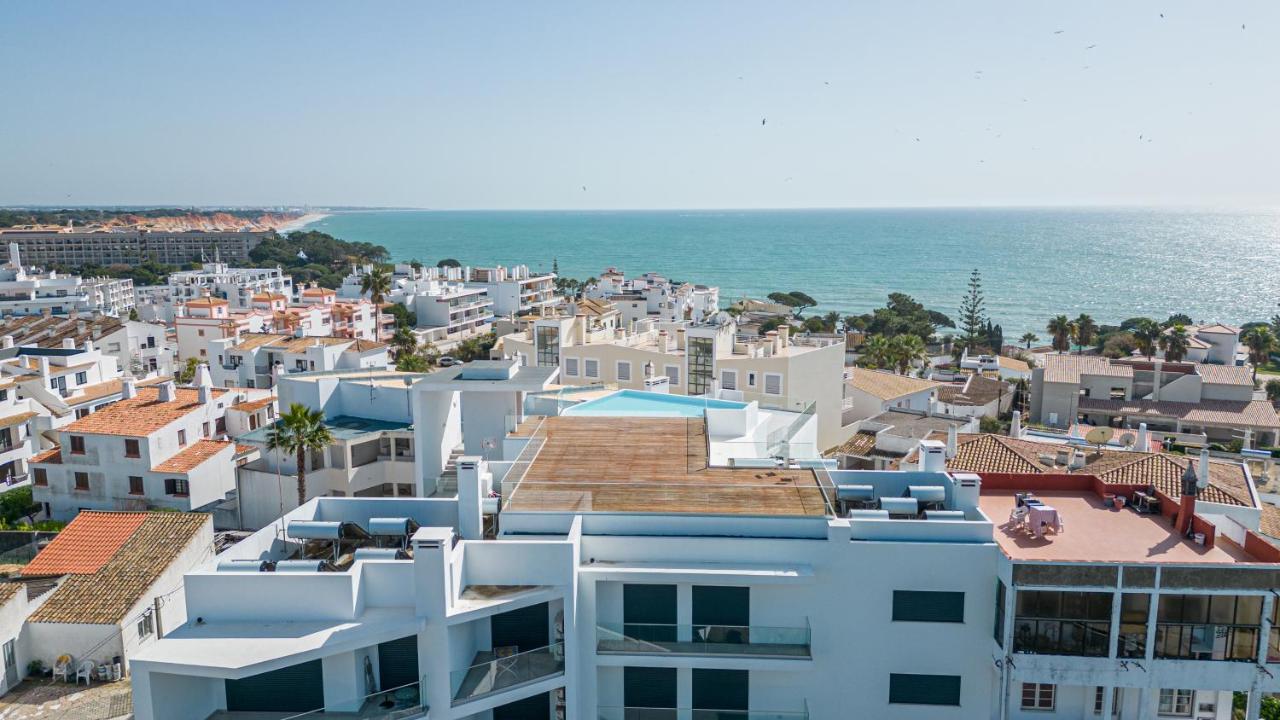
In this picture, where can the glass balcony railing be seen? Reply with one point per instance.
(735, 640)
(1207, 642)
(398, 703)
(494, 672)
(642, 713)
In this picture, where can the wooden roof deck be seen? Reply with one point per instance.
(656, 465)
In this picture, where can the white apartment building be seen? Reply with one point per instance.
(515, 290)
(639, 562)
(17, 442)
(447, 308)
(256, 360)
(776, 370)
(1213, 402)
(28, 291)
(214, 279)
(347, 318)
(143, 349)
(1214, 343)
(159, 446)
(654, 296)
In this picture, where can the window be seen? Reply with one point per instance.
(1117, 393)
(772, 384)
(4, 395)
(1208, 627)
(1099, 693)
(204, 429)
(999, 623)
(82, 412)
(182, 438)
(82, 378)
(571, 367)
(135, 485)
(547, 346)
(1175, 702)
(701, 353)
(131, 449)
(77, 445)
(176, 486)
(591, 367)
(928, 606)
(82, 481)
(200, 333)
(1037, 696)
(729, 379)
(1134, 608)
(624, 371)
(673, 373)
(41, 477)
(910, 689)
(220, 425)
(751, 379)
(146, 624)
(1050, 622)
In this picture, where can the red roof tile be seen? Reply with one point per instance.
(85, 544)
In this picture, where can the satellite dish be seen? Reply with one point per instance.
(1128, 440)
(1099, 435)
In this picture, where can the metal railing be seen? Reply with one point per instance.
(498, 674)
(645, 713)
(520, 466)
(718, 640)
(398, 703)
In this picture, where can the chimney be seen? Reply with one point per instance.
(128, 388)
(298, 331)
(204, 383)
(6, 341)
(88, 346)
(68, 343)
(1077, 459)
(951, 441)
(1203, 473)
(1015, 425)
(967, 489)
(1191, 485)
(1144, 438)
(43, 363)
(14, 259)
(168, 391)
(933, 456)
(474, 482)
(784, 336)
(648, 370)
(1157, 374)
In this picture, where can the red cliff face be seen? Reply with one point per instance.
(205, 221)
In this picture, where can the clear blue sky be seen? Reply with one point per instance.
(647, 104)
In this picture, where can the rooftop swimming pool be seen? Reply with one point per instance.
(634, 403)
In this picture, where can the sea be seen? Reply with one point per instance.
(1035, 263)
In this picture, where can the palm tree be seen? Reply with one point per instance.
(404, 341)
(1146, 332)
(875, 351)
(905, 350)
(1028, 338)
(376, 284)
(1175, 342)
(1086, 330)
(831, 320)
(1260, 342)
(1060, 328)
(300, 430)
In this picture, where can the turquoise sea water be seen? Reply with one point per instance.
(1111, 263)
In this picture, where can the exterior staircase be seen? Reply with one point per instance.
(447, 485)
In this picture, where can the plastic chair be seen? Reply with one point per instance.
(62, 668)
(85, 671)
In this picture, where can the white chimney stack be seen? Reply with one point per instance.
(168, 391)
(204, 383)
(88, 346)
(128, 388)
(933, 456)
(6, 341)
(1015, 425)
(14, 259)
(1204, 465)
(784, 336)
(1144, 438)
(951, 441)
(68, 343)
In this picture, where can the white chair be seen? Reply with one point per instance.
(84, 671)
(62, 668)
(1018, 514)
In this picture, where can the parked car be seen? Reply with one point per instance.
(448, 361)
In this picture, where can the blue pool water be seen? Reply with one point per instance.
(635, 403)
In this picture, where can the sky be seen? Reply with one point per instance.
(599, 105)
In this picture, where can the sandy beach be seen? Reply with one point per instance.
(301, 222)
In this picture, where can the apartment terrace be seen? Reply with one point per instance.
(651, 465)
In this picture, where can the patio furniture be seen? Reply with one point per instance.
(62, 668)
(1018, 514)
(504, 663)
(1041, 517)
(85, 671)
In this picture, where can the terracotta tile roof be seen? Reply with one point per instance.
(1269, 524)
(886, 385)
(1225, 374)
(207, 302)
(254, 405)
(861, 444)
(107, 595)
(292, 344)
(1253, 413)
(246, 449)
(141, 415)
(590, 306)
(1059, 368)
(976, 390)
(1013, 363)
(1218, 328)
(52, 456)
(1000, 454)
(191, 457)
(249, 341)
(86, 544)
(360, 346)
(18, 419)
(101, 390)
(316, 292)
(261, 297)
(8, 590)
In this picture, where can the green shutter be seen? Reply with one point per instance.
(294, 689)
(398, 662)
(926, 606)
(924, 689)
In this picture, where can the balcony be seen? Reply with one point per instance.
(491, 674)
(1207, 642)
(705, 640)
(400, 703)
(641, 713)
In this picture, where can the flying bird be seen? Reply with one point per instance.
(1058, 32)
(917, 139)
(1091, 47)
(584, 188)
(1241, 26)
(764, 120)
(1162, 15)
